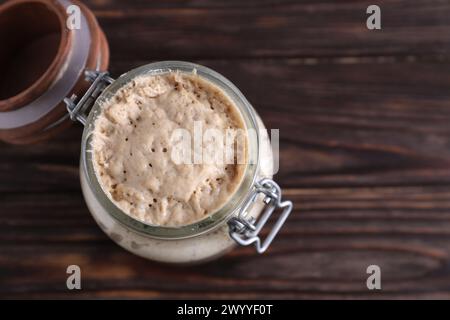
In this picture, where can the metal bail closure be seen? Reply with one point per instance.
(79, 109)
(244, 230)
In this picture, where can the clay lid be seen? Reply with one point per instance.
(43, 63)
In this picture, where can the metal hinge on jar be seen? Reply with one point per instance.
(245, 230)
(79, 108)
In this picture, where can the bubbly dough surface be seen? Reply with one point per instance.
(132, 149)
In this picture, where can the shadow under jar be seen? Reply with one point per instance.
(239, 220)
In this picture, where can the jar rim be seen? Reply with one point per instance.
(214, 219)
(47, 78)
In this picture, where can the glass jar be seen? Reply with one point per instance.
(239, 221)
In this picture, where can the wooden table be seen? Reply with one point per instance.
(365, 154)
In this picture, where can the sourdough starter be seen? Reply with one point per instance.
(132, 147)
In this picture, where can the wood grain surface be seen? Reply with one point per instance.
(364, 120)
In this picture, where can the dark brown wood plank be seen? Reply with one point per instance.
(179, 30)
(322, 252)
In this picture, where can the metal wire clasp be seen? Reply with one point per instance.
(78, 109)
(244, 230)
